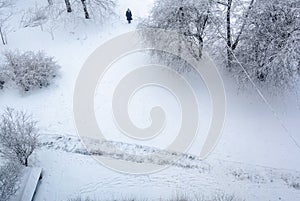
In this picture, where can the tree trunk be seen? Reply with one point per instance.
(237, 40)
(26, 162)
(68, 5)
(200, 49)
(2, 37)
(229, 37)
(52, 34)
(201, 42)
(50, 2)
(86, 13)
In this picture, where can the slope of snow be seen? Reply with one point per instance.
(186, 176)
(29, 184)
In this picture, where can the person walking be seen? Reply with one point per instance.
(129, 15)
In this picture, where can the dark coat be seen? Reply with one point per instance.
(128, 15)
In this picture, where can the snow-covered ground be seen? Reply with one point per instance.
(256, 159)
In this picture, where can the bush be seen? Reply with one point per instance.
(225, 197)
(18, 136)
(80, 199)
(9, 175)
(30, 70)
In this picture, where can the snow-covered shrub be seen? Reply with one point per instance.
(201, 197)
(80, 199)
(48, 18)
(291, 181)
(18, 136)
(30, 70)
(295, 185)
(225, 197)
(33, 17)
(9, 175)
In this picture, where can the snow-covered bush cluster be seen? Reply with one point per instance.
(9, 175)
(29, 70)
(18, 136)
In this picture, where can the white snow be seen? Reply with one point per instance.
(29, 184)
(255, 158)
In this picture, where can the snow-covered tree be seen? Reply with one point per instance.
(53, 15)
(270, 49)
(97, 9)
(188, 18)
(49, 18)
(18, 136)
(229, 19)
(9, 175)
(201, 22)
(30, 70)
(231, 40)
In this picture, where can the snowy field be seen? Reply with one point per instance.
(255, 159)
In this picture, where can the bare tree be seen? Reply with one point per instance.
(5, 15)
(36, 16)
(18, 136)
(48, 18)
(53, 16)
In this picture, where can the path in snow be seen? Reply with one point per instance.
(144, 154)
